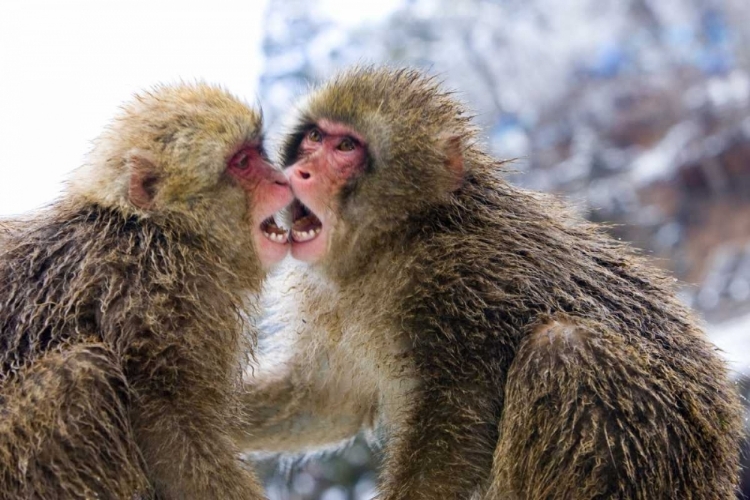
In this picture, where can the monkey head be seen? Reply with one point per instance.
(192, 153)
(368, 149)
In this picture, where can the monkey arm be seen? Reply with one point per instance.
(289, 413)
(64, 429)
(441, 447)
(293, 400)
(193, 460)
(181, 431)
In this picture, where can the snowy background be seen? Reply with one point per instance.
(638, 111)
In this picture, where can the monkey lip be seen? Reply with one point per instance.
(305, 225)
(273, 232)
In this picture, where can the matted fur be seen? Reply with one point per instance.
(503, 347)
(121, 329)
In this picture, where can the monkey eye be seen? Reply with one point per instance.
(315, 135)
(347, 144)
(240, 161)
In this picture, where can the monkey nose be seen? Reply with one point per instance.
(301, 173)
(279, 178)
(275, 176)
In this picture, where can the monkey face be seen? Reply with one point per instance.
(267, 193)
(193, 153)
(371, 149)
(331, 156)
(215, 169)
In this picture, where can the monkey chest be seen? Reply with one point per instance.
(372, 362)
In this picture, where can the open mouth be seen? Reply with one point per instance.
(273, 231)
(305, 225)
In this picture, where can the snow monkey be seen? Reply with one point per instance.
(121, 306)
(501, 348)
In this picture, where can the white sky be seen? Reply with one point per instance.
(65, 66)
(350, 13)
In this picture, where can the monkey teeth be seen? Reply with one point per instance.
(302, 236)
(278, 238)
(305, 224)
(273, 232)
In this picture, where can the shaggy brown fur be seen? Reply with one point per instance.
(505, 349)
(6, 228)
(120, 327)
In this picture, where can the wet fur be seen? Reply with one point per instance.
(121, 344)
(501, 348)
(162, 316)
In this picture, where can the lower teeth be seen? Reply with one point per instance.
(277, 237)
(305, 235)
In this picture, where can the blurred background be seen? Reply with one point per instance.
(637, 111)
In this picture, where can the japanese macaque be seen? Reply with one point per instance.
(499, 347)
(122, 308)
(6, 227)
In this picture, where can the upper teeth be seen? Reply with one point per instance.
(305, 235)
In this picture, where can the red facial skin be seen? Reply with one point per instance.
(268, 192)
(324, 165)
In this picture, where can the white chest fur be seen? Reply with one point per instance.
(343, 345)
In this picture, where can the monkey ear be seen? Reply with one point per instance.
(454, 162)
(143, 180)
